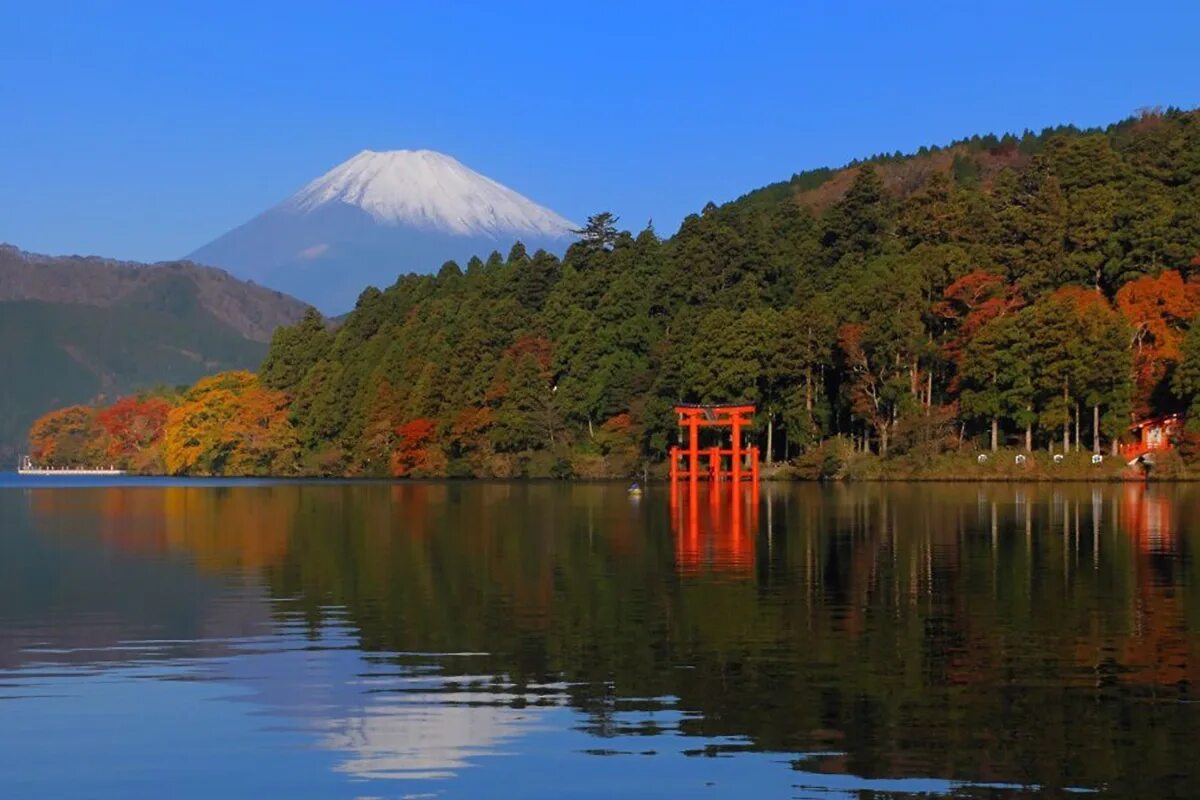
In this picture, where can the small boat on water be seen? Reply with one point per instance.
(635, 490)
(27, 467)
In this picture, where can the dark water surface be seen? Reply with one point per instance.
(551, 640)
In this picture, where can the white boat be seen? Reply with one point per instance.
(27, 467)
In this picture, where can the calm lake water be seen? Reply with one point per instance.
(553, 640)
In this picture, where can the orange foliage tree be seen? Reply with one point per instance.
(1160, 310)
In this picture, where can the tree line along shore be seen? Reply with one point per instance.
(897, 317)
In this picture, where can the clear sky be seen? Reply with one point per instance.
(143, 130)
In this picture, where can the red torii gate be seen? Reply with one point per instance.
(695, 417)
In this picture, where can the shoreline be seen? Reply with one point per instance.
(16, 480)
(822, 465)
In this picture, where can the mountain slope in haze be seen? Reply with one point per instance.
(73, 330)
(375, 217)
(252, 311)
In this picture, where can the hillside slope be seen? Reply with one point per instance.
(74, 330)
(252, 311)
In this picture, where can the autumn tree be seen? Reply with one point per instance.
(882, 347)
(970, 303)
(376, 446)
(67, 437)
(230, 424)
(526, 415)
(416, 453)
(134, 428)
(1159, 310)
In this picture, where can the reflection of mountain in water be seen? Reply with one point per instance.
(425, 735)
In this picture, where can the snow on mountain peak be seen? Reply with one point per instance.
(429, 190)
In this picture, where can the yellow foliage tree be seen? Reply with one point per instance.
(230, 424)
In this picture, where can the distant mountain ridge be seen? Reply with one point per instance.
(253, 311)
(73, 330)
(377, 216)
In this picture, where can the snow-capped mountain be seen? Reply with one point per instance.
(375, 217)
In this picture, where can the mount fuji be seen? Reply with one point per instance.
(375, 217)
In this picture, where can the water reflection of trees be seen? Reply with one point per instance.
(1039, 634)
(224, 529)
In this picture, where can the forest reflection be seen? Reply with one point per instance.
(1036, 634)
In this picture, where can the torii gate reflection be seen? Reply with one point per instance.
(715, 526)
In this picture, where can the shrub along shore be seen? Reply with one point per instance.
(1003, 465)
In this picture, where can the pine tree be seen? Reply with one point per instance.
(600, 232)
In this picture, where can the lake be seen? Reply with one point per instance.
(362, 640)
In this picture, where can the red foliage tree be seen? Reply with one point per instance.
(620, 423)
(971, 302)
(413, 452)
(133, 425)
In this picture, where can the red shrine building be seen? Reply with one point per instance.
(714, 448)
(1153, 435)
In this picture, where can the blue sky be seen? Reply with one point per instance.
(143, 130)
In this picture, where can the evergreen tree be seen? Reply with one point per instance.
(294, 351)
(860, 224)
(1185, 383)
(600, 232)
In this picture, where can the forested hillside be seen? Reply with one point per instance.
(1031, 292)
(75, 330)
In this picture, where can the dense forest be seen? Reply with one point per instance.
(1031, 292)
